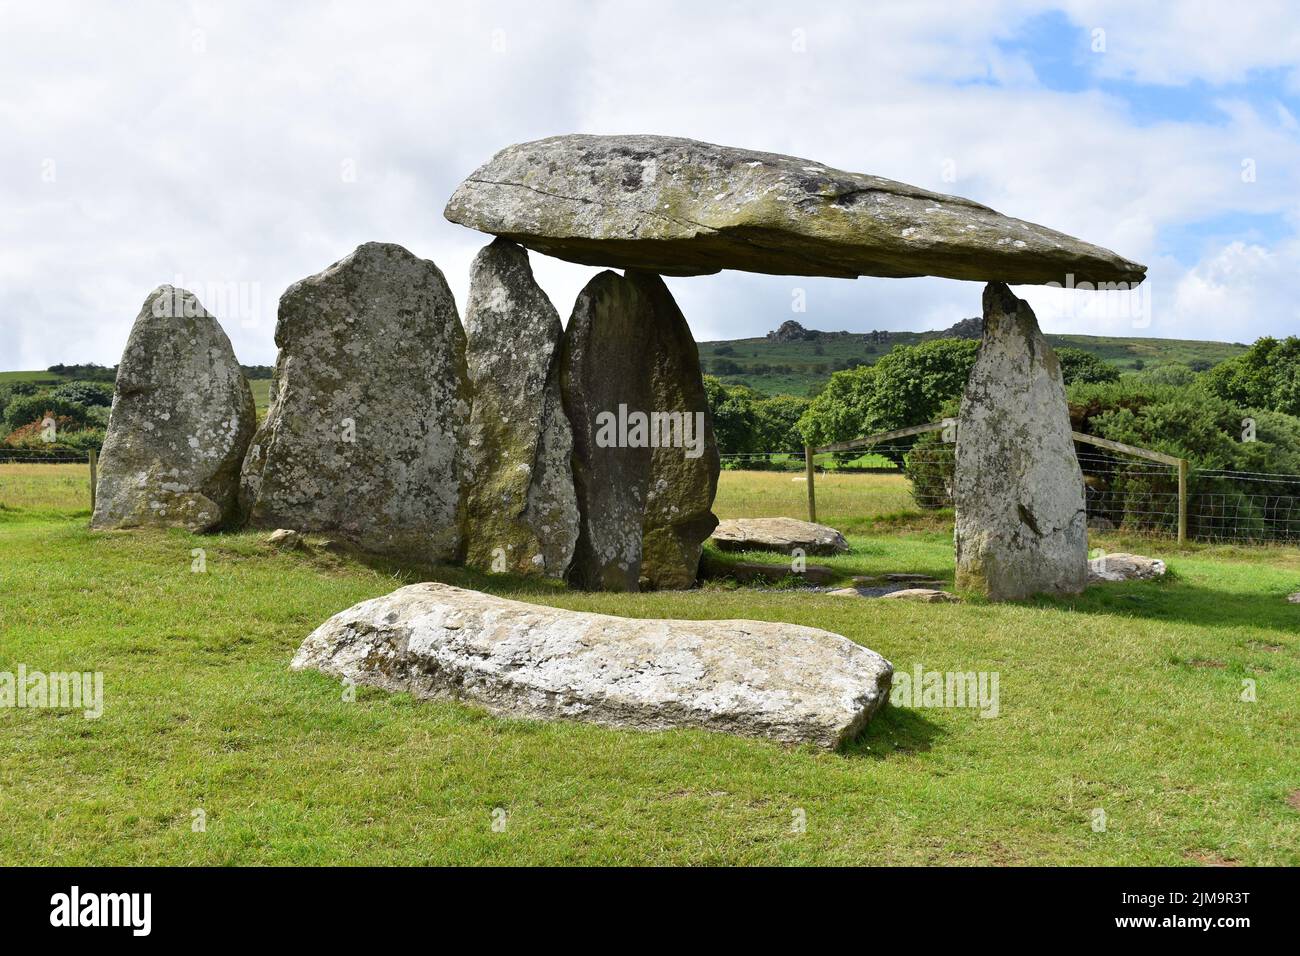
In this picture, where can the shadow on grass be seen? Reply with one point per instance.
(413, 572)
(894, 730)
(1178, 600)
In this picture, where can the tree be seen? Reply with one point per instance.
(909, 386)
(1080, 366)
(1267, 375)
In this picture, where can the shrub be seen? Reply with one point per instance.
(909, 386)
(1080, 366)
(1266, 376)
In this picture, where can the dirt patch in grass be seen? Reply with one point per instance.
(1209, 858)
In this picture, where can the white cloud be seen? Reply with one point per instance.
(214, 142)
(1231, 288)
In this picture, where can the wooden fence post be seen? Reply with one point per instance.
(1182, 501)
(93, 475)
(808, 471)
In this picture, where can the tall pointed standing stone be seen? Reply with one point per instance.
(363, 439)
(521, 509)
(181, 420)
(1020, 525)
(645, 460)
(604, 371)
(683, 473)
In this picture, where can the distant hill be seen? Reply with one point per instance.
(259, 377)
(793, 360)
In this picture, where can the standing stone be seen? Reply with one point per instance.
(1018, 490)
(521, 509)
(645, 460)
(368, 408)
(604, 371)
(684, 467)
(181, 421)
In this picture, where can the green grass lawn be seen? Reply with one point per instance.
(1127, 700)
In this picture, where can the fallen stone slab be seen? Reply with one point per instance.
(682, 207)
(1122, 566)
(181, 421)
(926, 595)
(747, 572)
(783, 682)
(778, 534)
(1293, 598)
(285, 539)
(1020, 526)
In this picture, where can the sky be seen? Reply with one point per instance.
(234, 148)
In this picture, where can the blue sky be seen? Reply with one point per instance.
(216, 146)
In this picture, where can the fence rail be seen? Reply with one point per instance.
(1122, 492)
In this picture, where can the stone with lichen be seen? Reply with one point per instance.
(645, 506)
(181, 420)
(521, 510)
(782, 682)
(681, 207)
(364, 436)
(1020, 525)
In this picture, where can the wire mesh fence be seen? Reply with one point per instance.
(1121, 493)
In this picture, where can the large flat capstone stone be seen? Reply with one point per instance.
(1020, 524)
(682, 207)
(778, 534)
(784, 682)
(181, 421)
(364, 436)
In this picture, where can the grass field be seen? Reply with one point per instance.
(1126, 700)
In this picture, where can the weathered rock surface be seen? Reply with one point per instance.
(681, 207)
(1293, 598)
(784, 682)
(181, 421)
(752, 572)
(521, 510)
(285, 539)
(363, 438)
(1122, 566)
(924, 595)
(1020, 520)
(684, 468)
(778, 534)
(645, 510)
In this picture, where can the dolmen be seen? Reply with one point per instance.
(586, 452)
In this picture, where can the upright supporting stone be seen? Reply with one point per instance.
(645, 463)
(603, 375)
(182, 418)
(1021, 525)
(521, 511)
(685, 466)
(364, 436)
